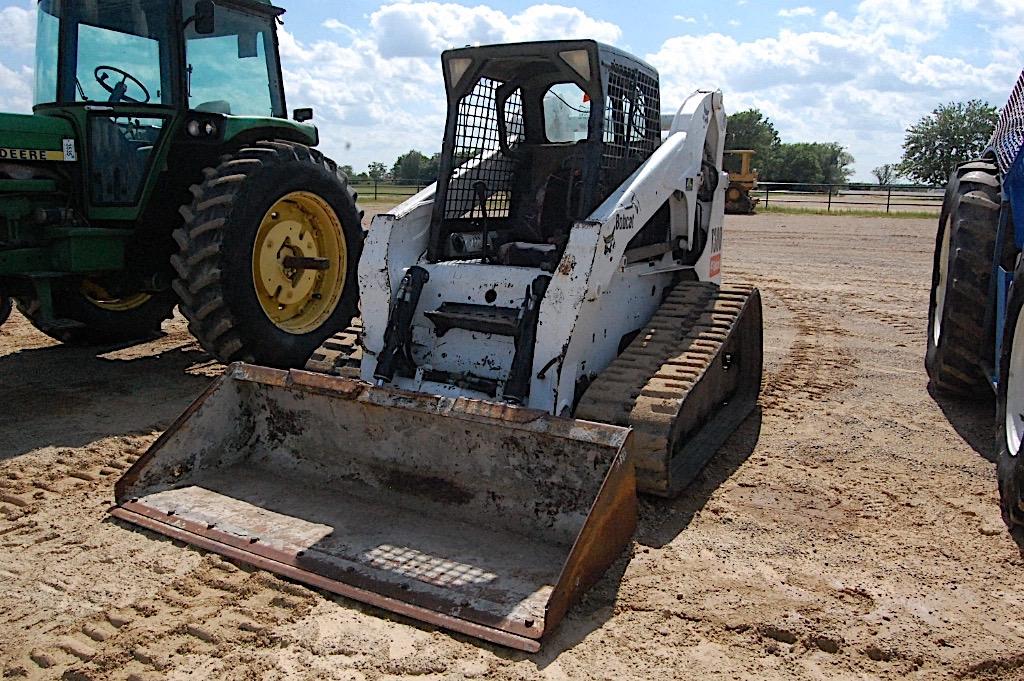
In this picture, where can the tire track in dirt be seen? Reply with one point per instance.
(904, 324)
(197, 623)
(26, 490)
(815, 365)
(821, 546)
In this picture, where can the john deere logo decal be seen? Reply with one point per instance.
(67, 153)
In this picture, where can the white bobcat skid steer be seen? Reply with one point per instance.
(543, 331)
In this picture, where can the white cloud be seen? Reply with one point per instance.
(19, 28)
(424, 29)
(860, 77)
(382, 92)
(861, 81)
(797, 12)
(915, 21)
(16, 89)
(335, 25)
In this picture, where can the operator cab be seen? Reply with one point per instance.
(537, 136)
(118, 62)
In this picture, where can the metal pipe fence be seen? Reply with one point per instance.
(387, 190)
(831, 198)
(835, 198)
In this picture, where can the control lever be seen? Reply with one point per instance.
(397, 352)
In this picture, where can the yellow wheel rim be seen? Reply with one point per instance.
(299, 225)
(98, 296)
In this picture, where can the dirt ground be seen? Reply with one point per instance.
(848, 530)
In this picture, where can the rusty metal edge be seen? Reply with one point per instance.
(131, 476)
(610, 524)
(461, 626)
(459, 408)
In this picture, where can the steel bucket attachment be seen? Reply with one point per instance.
(477, 517)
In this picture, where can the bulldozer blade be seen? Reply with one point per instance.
(478, 517)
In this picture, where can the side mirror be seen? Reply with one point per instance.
(205, 17)
(303, 115)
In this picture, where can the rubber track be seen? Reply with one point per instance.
(340, 354)
(198, 263)
(646, 386)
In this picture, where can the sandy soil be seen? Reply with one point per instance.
(849, 529)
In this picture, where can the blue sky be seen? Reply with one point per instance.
(853, 72)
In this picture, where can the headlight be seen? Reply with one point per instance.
(201, 128)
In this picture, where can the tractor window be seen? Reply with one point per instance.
(234, 71)
(566, 113)
(47, 45)
(104, 59)
(124, 52)
(120, 150)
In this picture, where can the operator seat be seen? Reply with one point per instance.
(543, 214)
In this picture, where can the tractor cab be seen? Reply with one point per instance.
(126, 71)
(537, 136)
(138, 105)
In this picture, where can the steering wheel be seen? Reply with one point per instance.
(117, 92)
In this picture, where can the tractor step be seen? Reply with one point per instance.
(501, 321)
(55, 327)
(685, 382)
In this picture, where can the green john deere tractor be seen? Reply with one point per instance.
(160, 168)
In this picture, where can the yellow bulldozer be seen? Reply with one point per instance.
(742, 182)
(544, 332)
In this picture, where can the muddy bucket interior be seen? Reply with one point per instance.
(481, 518)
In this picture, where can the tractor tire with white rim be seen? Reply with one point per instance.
(268, 255)
(1010, 413)
(961, 276)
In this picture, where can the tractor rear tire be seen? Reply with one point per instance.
(1009, 426)
(220, 283)
(961, 275)
(99, 322)
(6, 307)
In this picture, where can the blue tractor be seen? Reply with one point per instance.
(975, 325)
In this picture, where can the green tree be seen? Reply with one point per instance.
(429, 169)
(799, 163)
(950, 135)
(811, 163)
(347, 169)
(835, 162)
(377, 171)
(885, 173)
(408, 167)
(751, 129)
